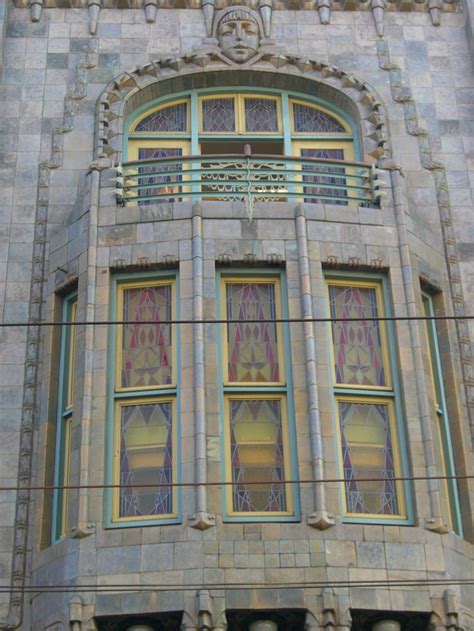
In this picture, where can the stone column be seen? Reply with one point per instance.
(201, 519)
(320, 518)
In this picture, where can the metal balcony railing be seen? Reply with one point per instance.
(248, 178)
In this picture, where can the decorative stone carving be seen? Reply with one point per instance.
(238, 31)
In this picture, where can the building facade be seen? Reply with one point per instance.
(242, 239)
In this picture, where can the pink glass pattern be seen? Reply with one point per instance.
(357, 344)
(218, 115)
(378, 496)
(252, 344)
(255, 462)
(171, 118)
(146, 348)
(143, 461)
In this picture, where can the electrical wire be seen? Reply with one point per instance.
(63, 487)
(233, 321)
(153, 587)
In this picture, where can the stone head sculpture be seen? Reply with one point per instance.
(239, 30)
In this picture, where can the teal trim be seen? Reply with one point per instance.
(389, 394)
(112, 396)
(288, 390)
(394, 394)
(443, 418)
(285, 95)
(62, 414)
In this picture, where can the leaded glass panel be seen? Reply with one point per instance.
(261, 115)
(310, 120)
(368, 461)
(319, 186)
(146, 348)
(218, 115)
(172, 118)
(156, 174)
(358, 351)
(256, 445)
(146, 458)
(252, 345)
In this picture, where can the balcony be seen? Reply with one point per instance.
(248, 178)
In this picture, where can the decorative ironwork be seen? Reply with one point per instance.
(235, 177)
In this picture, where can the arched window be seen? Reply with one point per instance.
(317, 143)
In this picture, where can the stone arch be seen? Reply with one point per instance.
(166, 76)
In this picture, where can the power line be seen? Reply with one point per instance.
(235, 321)
(153, 587)
(64, 487)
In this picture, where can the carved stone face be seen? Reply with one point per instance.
(239, 36)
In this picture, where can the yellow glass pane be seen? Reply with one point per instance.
(146, 459)
(261, 455)
(255, 432)
(137, 436)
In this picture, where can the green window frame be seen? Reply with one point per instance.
(143, 449)
(258, 438)
(441, 425)
(368, 415)
(64, 418)
(337, 132)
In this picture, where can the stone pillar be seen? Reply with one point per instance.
(320, 518)
(201, 519)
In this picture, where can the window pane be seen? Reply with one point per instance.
(261, 115)
(65, 516)
(146, 348)
(156, 174)
(358, 355)
(71, 354)
(146, 453)
(172, 118)
(320, 184)
(367, 453)
(257, 455)
(310, 119)
(218, 115)
(252, 346)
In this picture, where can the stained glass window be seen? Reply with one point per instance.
(256, 446)
(312, 120)
(358, 350)
(322, 184)
(62, 518)
(261, 115)
(145, 454)
(146, 457)
(441, 427)
(367, 452)
(156, 174)
(166, 119)
(218, 115)
(146, 353)
(252, 345)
